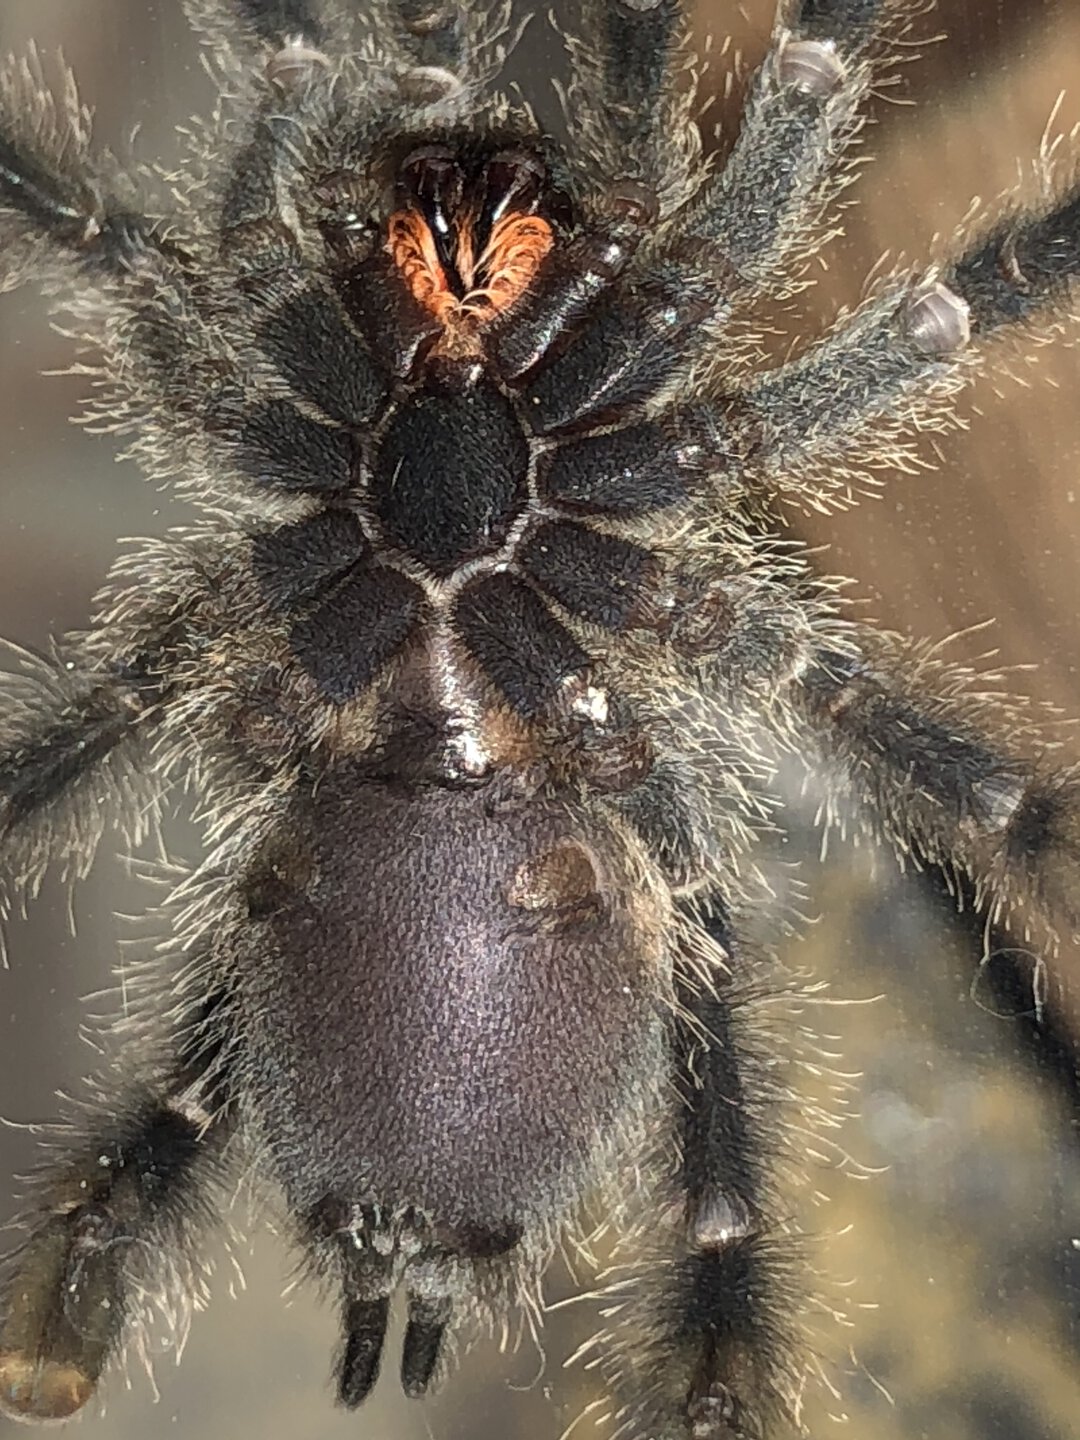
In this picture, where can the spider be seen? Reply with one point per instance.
(479, 664)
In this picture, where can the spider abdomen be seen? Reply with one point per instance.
(457, 992)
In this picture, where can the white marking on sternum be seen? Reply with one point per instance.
(464, 717)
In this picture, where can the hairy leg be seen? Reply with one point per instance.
(60, 202)
(940, 771)
(275, 21)
(905, 352)
(628, 112)
(78, 727)
(941, 764)
(64, 754)
(708, 1341)
(114, 1230)
(764, 208)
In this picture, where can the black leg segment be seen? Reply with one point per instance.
(901, 352)
(713, 1351)
(433, 33)
(1024, 264)
(910, 737)
(900, 349)
(849, 22)
(66, 749)
(723, 1306)
(55, 191)
(42, 765)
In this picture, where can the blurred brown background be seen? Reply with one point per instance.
(967, 1240)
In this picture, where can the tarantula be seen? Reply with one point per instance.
(478, 663)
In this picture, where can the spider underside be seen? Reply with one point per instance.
(479, 662)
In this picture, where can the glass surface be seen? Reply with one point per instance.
(954, 1227)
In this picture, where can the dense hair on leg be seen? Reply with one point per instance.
(1025, 263)
(68, 748)
(910, 737)
(763, 210)
(444, 56)
(629, 102)
(242, 30)
(703, 1339)
(849, 22)
(113, 1239)
(434, 35)
(898, 361)
(906, 345)
(277, 20)
(60, 203)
